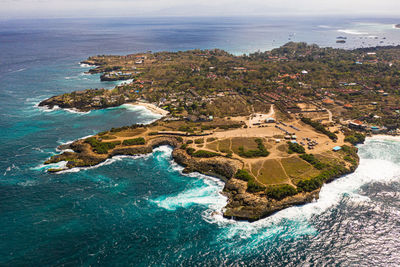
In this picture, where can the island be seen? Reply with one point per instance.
(397, 26)
(274, 125)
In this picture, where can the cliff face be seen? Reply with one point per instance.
(251, 207)
(242, 204)
(84, 100)
(222, 168)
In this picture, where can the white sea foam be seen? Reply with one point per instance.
(104, 163)
(10, 168)
(380, 169)
(55, 108)
(375, 170)
(85, 65)
(47, 109)
(352, 32)
(125, 82)
(58, 165)
(73, 110)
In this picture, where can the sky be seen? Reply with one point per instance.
(117, 8)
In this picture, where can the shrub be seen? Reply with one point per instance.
(207, 127)
(317, 181)
(186, 128)
(100, 147)
(189, 142)
(205, 154)
(281, 191)
(253, 187)
(261, 151)
(319, 127)
(134, 141)
(153, 133)
(199, 141)
(310, 158)
(184, 146)
(243, 175)
(296, 148)
(350, 159)
(190, 150)
(356, 138)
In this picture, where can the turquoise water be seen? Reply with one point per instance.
(141, 210)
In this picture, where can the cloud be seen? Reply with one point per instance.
(96, 8)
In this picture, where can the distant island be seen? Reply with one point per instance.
(275, 125)
(397, 26)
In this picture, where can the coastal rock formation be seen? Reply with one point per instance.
(220, 167)
(251, 207)
(243, 204)
(85, 100)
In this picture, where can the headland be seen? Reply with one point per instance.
(275, 126)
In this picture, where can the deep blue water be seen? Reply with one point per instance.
(143, 211)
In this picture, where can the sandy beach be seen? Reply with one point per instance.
(153, 108)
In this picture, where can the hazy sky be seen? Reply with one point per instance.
(97, 8)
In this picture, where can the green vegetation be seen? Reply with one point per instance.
(316, 182)
(296, 148)
(355, 138)
(319, 127)
(101, 147)
(243, 175)
(279, 192)
(134, 141)
(204, 154)
(310, 158)
(186, 128)
(190, 150)
(252, 185)
(199, 141)
(260, 152)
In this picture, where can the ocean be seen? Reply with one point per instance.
(142, 211)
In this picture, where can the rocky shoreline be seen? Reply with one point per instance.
(241, 205)
(80, 102)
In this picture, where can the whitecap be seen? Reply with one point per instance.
(104, 163)
(125, 82)
(83, 65)
(351, 31)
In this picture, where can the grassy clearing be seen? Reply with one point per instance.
(130, 132)
(295, 166)
(272, 173)
(212, 146)
(246, 143)
(224, 146)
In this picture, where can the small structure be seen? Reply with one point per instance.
(375, 129)
(356, 124)
(348, 106)
(337, 148)
(269, 120)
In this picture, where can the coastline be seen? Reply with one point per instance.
(151, 107)
(383, 137)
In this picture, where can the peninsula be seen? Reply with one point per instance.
(275, 126)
